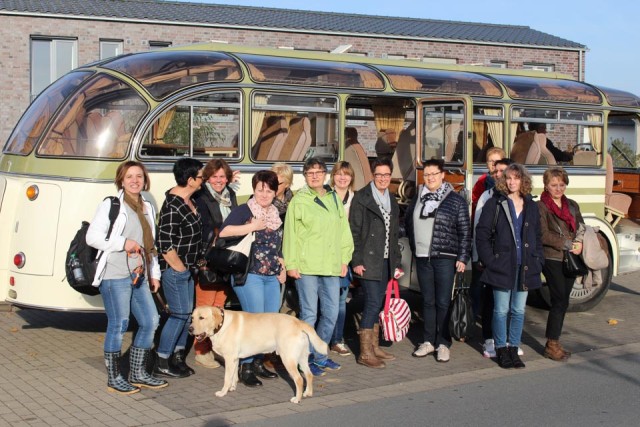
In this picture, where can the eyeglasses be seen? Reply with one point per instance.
(427, 175)
(282, 183)
(199, 177)
(382, 175)
(314, 173)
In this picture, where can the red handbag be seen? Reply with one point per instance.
(396, 316)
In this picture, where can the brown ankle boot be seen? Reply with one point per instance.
(566, 353)
(366, 357)
(377, 351)
(553, 351)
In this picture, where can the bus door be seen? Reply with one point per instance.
(442, 132)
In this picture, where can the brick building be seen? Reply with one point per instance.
(43, 39)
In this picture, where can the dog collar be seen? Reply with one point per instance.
(221, 323)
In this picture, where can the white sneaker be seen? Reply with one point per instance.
(207, 360)
(488, 348)
(443, 353)
(424, 349)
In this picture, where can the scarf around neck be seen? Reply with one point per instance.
(282, 205)
(223, 199)
(137, 205)
(383, 200)
(269, 214)
(563, 212)
(431, 200)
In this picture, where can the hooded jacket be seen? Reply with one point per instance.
(317, 238)
(497, 251)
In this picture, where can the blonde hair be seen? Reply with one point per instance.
(555, 172)
(283, 170)
(495, 150)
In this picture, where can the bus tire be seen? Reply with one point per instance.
(581, 299)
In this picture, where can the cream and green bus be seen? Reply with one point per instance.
(255, 106)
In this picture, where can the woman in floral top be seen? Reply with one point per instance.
(259, 292)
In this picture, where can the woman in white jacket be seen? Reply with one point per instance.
(127, 273)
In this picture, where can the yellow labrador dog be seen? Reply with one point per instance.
(238, 334)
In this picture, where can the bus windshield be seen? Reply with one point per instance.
(32, 124)
(97, 121)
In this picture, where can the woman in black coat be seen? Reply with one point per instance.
(374, 219)
(509, 243)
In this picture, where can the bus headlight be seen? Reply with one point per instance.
(19, 259)
(32, 192)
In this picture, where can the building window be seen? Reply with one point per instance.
(111, 48)
(539, 67)
(153, 45)
(434, 60)
(51, 58)
(497, 64)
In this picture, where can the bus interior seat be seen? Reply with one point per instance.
(546, 157)
(585, 158)
(616, 205)
(293, 146)
(356, 156)
(404, 157)
(530, 148)
(274, 132)
(451, 142)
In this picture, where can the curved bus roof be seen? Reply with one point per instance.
(165, 72)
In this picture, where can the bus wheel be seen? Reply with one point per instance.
(582, 299)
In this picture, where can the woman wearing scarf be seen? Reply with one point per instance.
(259, 292)
(214, 200)
(374, 219)
(439, 229)
(562, 229)
(127, 273)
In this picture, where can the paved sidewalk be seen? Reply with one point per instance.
(53, 372)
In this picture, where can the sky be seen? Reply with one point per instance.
(610, 30)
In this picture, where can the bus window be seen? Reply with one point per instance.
(292, 128)
(623, 130)
(96, 122)
(550, 136)
(33, 122)
(205, 126)
(488, 131)
(442, 124)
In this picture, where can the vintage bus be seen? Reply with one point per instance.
(255, 106)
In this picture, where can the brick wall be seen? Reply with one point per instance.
(16, 32)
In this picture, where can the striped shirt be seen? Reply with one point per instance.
(180, 229)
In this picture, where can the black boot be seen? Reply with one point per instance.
(178, 361)
(504, 357)
(515, 359)
(247, 376)
(165, 369)
(261, 371)
(138, 374)
(115, 380)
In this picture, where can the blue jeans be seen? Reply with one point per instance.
(259, 294)
(508, 304)
(436, 278)
(179, 293)
(338, 331)
(120, 300)
(374, 295)
(326, 291)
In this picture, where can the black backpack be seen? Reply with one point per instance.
(81, 261)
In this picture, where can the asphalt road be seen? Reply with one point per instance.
(602, 391)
